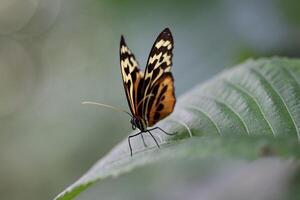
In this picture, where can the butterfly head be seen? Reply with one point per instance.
(139, 123)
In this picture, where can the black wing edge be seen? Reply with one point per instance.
(166, 34)
(122, 57)
(123, 43)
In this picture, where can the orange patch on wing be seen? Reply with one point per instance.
(164, 101)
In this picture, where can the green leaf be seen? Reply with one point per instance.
(248, 111)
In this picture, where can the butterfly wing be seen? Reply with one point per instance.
(131, 75)
(158, 83)
(162, 104)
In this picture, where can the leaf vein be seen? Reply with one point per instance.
(259, 74)
(183, 124)
(244, 91)
(229, 108)
(207, 115)
(291, 74)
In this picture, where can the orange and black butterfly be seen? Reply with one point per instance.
(150, 95)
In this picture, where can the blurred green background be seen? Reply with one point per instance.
(54, 54)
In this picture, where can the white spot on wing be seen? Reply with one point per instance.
(163, 43)
(159, 44)
(124, 49)
(155, 57)
(166, 43)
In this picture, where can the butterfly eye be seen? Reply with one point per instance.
(133, 127)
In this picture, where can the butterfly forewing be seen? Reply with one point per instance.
(158, 84)
(131, 75)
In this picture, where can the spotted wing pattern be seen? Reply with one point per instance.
(131, 75)
(158, 84)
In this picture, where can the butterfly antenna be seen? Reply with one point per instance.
(106, 106)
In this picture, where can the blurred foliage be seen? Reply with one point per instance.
(55, 54)
(290, 10)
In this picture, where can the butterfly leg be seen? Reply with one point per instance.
(153, 138)
(145, 145)
(129, 137)
(163, 131)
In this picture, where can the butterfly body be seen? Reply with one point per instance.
(150, 95)
(139, 123)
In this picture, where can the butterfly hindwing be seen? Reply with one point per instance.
(162, 104)
(158, 84)
(131, 75)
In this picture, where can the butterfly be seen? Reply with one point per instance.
(150, 94)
